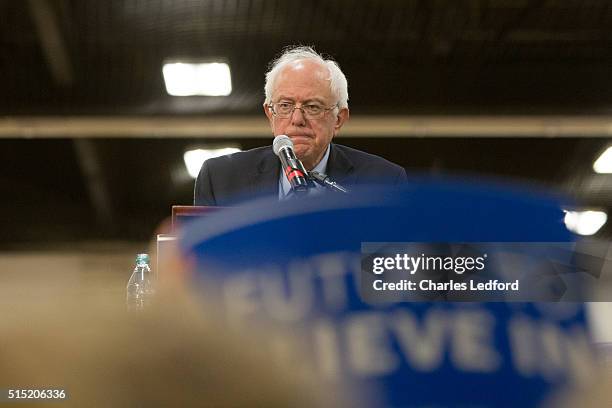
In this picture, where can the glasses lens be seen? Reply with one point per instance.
(313, 110)
(284, 109)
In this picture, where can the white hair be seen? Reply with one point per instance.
(337, 81)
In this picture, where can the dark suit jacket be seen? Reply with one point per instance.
(238, 177)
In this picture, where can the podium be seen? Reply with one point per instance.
(181, 215)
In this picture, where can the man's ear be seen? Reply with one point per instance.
(341, 118)
(267, 111)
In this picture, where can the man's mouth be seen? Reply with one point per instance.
(300, 137)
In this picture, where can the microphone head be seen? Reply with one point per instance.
(281, 141)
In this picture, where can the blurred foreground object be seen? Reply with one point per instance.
(173, 354)
(297, 271)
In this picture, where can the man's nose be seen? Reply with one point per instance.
(297, 117)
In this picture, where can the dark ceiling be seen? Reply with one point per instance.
(66, 58)
(402, 56)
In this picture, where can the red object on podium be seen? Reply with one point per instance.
(182, 213)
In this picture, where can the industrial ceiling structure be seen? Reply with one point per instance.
(91, 143)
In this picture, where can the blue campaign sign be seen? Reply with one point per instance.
(295, 267)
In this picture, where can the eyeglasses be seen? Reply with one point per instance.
(310, 111)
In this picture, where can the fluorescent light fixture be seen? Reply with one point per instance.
(604, 163)
(205, 78)
(195, 158)
(585, 222)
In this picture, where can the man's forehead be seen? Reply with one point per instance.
(305, 68)
(305, 74)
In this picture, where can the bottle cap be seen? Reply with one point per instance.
(142, 258)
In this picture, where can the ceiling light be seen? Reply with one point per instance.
(604, 163)
(195, 158)
(585, 222)
(188, 78)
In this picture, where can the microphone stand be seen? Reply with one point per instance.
(324, 180)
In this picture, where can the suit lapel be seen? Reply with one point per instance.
(339, 167)
(264, 181)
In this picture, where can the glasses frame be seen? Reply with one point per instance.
(301, 108)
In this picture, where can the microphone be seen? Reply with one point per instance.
(324, 180)
(292, 166)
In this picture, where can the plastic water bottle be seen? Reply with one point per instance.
(140, 287)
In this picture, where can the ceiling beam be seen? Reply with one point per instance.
(51, 42)
(257, 126)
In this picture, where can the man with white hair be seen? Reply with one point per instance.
(307, 100)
